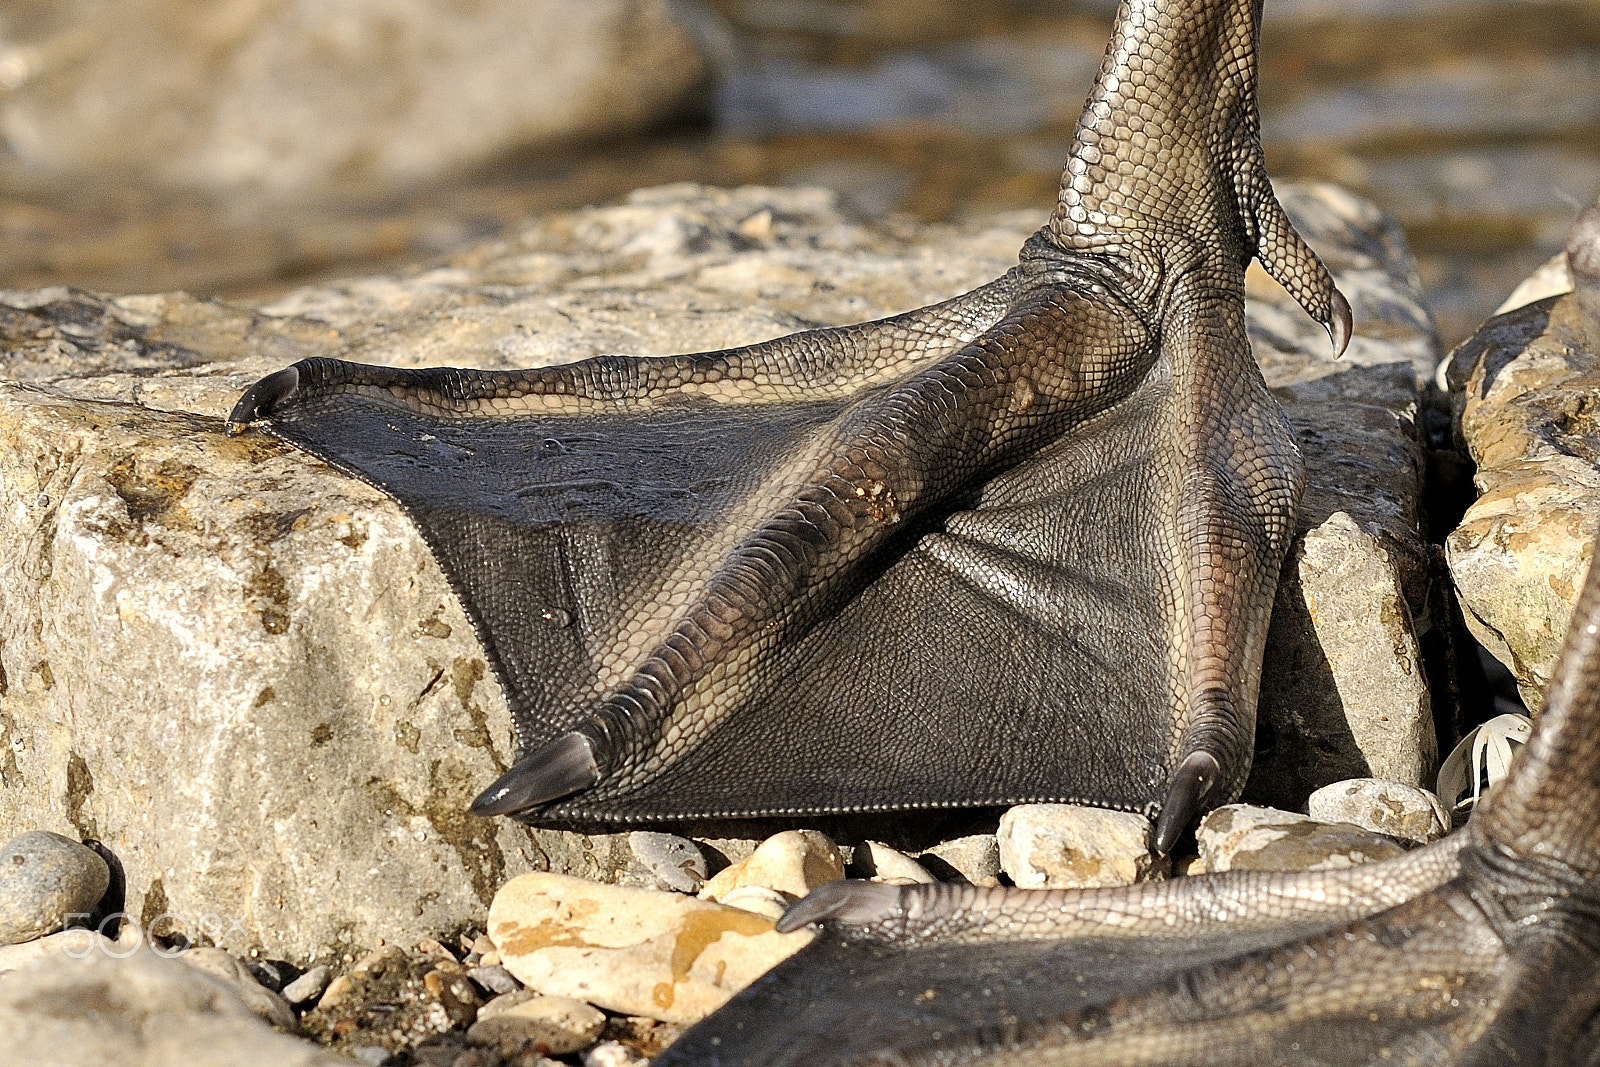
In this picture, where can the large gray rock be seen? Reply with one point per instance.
(296, 96)
(1525, 389)
(138, 1010)
(246, 675)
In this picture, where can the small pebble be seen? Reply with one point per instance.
(613, 1054)
(554, 1025)
(44, 879)
(793, 862)
(664, 861)
(374, 1055)
(308, 986)
(495, 979)
(337, 990)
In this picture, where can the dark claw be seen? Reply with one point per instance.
(1193, 779)
(847, 902)
(1340, 323)
(559, 769)
(259, 400)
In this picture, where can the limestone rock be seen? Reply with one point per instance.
(202, 1021)
(244, 672)
(1240, 837)
(293, 97)
(974, 859)
(259, 999)
(1525, 388)
(637, 951)
(552, 1025)
(1066, 845)
(1343, 693)
(1389, 808)
(879, 862)
(793, 863)
(664, 861)
(45, 880)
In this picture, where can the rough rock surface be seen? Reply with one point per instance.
(1343, 694)
(1048, 846)
(1526, 392)
(974, 858)
(637, 951)
(245, 674)
(663, 861)
(1384, 807)
(553, 1025)
(295, 96)
(138, 1011)
(1241, 837)
(45, 879)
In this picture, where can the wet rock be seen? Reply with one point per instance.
(45, 880)
(287, 627)
(637, 951)
(308, 986)
(974, 859)
(138, 1010)
(1389, 808)
(394, 1000)
(1066, 845)
(793, 863)
(295, 98)
(1525, 389)
(879, 862)
(1240, 837)
(1343, 692)
(259, 999)
(547, 1025)
(664, 861)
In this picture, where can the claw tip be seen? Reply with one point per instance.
(1340, 323)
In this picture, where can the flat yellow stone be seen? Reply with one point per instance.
(637, 951)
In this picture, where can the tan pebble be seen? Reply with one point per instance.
(793, 862)
(490, 959)
(337, 990)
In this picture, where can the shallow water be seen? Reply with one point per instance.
(1476, 123)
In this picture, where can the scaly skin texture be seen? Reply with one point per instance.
(1482, 949)
(1018, 546)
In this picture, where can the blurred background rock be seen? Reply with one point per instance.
(241, 147)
